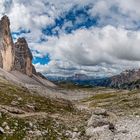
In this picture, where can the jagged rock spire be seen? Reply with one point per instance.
(5, 20)
(14, 56)
(6, 45)
(23, 57)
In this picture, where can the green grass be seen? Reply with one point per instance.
(19, 132)
(72, 86)
(55, 128)
(9, 93)
(102, 96)
(117, 101)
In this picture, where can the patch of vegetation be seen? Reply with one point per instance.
(102, 96)
(23, 97)
(66, 85)
(19, 128)
(127, 102)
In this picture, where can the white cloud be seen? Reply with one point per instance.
(116, 47)
(94, 46)
(117, 12)
(37, 14)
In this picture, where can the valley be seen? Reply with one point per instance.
(78, 114)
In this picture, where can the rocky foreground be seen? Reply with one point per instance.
(74, 114)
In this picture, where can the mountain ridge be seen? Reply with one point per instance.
(128, 79)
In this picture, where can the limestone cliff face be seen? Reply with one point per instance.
(14, 56)
(6, 45)
(23, 57)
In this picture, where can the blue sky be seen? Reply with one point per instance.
(84, 21)
(78, 16)
(66, 37)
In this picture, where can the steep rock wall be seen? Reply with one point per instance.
(14, 56)
(23, 57)
(6, 45)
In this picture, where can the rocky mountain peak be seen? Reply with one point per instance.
(23, 57)
(6, 45)
(5, 20)
(14, 56)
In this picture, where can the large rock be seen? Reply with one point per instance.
(23, 58)
(100, 126)
(6, 45)
(97, 121)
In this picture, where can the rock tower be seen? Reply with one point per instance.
(6, 45)
(14, 56)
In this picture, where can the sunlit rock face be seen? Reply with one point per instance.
(6, 45)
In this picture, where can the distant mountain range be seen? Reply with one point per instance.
(128, 79)
(80, 79)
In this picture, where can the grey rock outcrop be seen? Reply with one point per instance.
(100, 126)
(129, 79)
(23, 57)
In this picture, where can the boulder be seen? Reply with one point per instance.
(99, 133)
(1, 130)
(97, 121)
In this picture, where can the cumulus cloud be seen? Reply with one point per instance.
(95, 46)
(37, 14)
(54, 68)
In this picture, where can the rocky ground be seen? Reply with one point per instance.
(27, 115)
(77, 114)
(115, 115)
